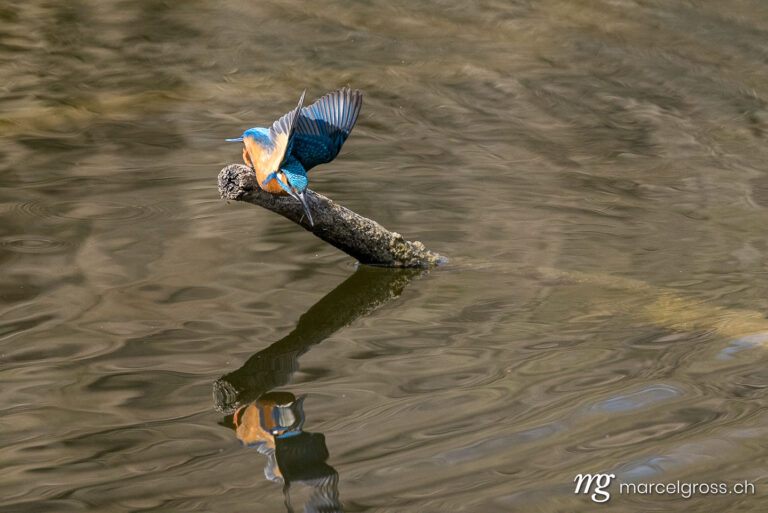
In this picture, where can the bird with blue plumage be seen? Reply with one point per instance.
(303, 138)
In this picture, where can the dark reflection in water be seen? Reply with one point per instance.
(273, 425)
(367, 289)
(272, 421)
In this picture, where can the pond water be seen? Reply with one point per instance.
(595, 171)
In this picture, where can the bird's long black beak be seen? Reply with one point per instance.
(303, 200)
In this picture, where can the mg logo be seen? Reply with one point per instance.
(585, 482)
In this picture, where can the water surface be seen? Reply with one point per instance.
(594, 170)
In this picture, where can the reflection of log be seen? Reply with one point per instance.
(367, 289)
(358, 236)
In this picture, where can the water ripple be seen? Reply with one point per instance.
(34, 244)
(94, 210)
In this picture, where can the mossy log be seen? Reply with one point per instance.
(360, 237)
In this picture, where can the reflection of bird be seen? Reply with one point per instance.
(299, 141)
(273, 425)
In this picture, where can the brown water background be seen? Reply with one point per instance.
(596, 171)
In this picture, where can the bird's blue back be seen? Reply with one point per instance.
(322, 128)
(295, 173)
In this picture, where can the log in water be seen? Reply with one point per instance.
(360, 237)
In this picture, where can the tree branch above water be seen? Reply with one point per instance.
(360, 237)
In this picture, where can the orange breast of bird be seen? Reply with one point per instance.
(265, 162)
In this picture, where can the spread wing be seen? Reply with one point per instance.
(268, 155)
(322, 128)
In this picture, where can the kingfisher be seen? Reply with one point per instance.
(303, 138)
